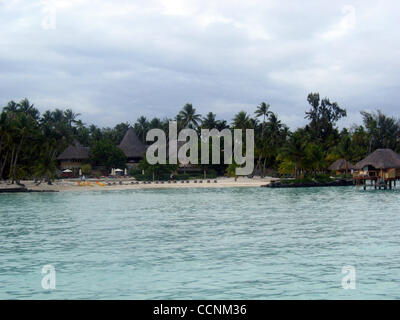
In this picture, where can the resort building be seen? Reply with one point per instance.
(382, 166)
(73, 157)
(133, 148)
(341, 166)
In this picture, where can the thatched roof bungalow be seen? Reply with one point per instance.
(133, 148)
(73, 156)
(341, 166)
(382, 163)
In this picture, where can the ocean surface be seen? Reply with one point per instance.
(232, 243)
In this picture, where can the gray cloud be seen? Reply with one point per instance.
(114, 61)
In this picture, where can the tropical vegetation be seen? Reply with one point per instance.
(30, 141)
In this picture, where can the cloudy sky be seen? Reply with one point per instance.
(115, 60)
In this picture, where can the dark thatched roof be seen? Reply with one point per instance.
(131, 145)
(341, 165)
(74, 152)
(381, 159)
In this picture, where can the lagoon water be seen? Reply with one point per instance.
(239, 243)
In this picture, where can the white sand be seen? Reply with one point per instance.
(72, 184)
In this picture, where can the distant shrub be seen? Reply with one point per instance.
(323, 178)
(182, 176)
(86, 169)
(134, 171)
(143, 177)
(298, 180)
(149, 177)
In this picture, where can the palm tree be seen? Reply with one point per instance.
(79, 124)
(4, 142)
(268, 146)
(11, 109)
(22, 128)
(242, 121)
(141, 127)
(263, 111)
(45, 166)
(156, 123)
(58, 116)
(209, 121)
(188, 116)
(221, 125)
(29, 109)
(231, 170)
(315, 157)
(294, 150)
(71, 116)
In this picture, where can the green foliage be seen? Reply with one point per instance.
(321, 178)
(182, 176)
(323, 116)
(383, 131)
(231, 170)
(156, 171)
(134, 171)
(86, 169)
(30, 142)
(243, 121)
(45, 166)
(297, 180)
(105, 153)
(287, 167)
(188, 117)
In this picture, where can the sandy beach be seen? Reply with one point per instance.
(130, 184)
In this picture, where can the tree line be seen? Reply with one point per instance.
(30, 141)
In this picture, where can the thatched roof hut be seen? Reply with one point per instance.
(341, 165)
(74, 152)
(133, 148)
(380, 159)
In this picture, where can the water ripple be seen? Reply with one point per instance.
(243, 243)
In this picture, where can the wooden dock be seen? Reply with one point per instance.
(375, 182)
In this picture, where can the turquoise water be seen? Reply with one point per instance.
(244, 243)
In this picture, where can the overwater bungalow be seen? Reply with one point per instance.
(133, 148)
(382, 168)
(73, 156)
(341, 166)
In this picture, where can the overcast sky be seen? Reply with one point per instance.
(115, 60)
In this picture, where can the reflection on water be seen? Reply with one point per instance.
(244, 243)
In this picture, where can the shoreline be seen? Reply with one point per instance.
(67, 185)
(313, 184)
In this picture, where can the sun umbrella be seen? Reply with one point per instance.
(67, 171)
